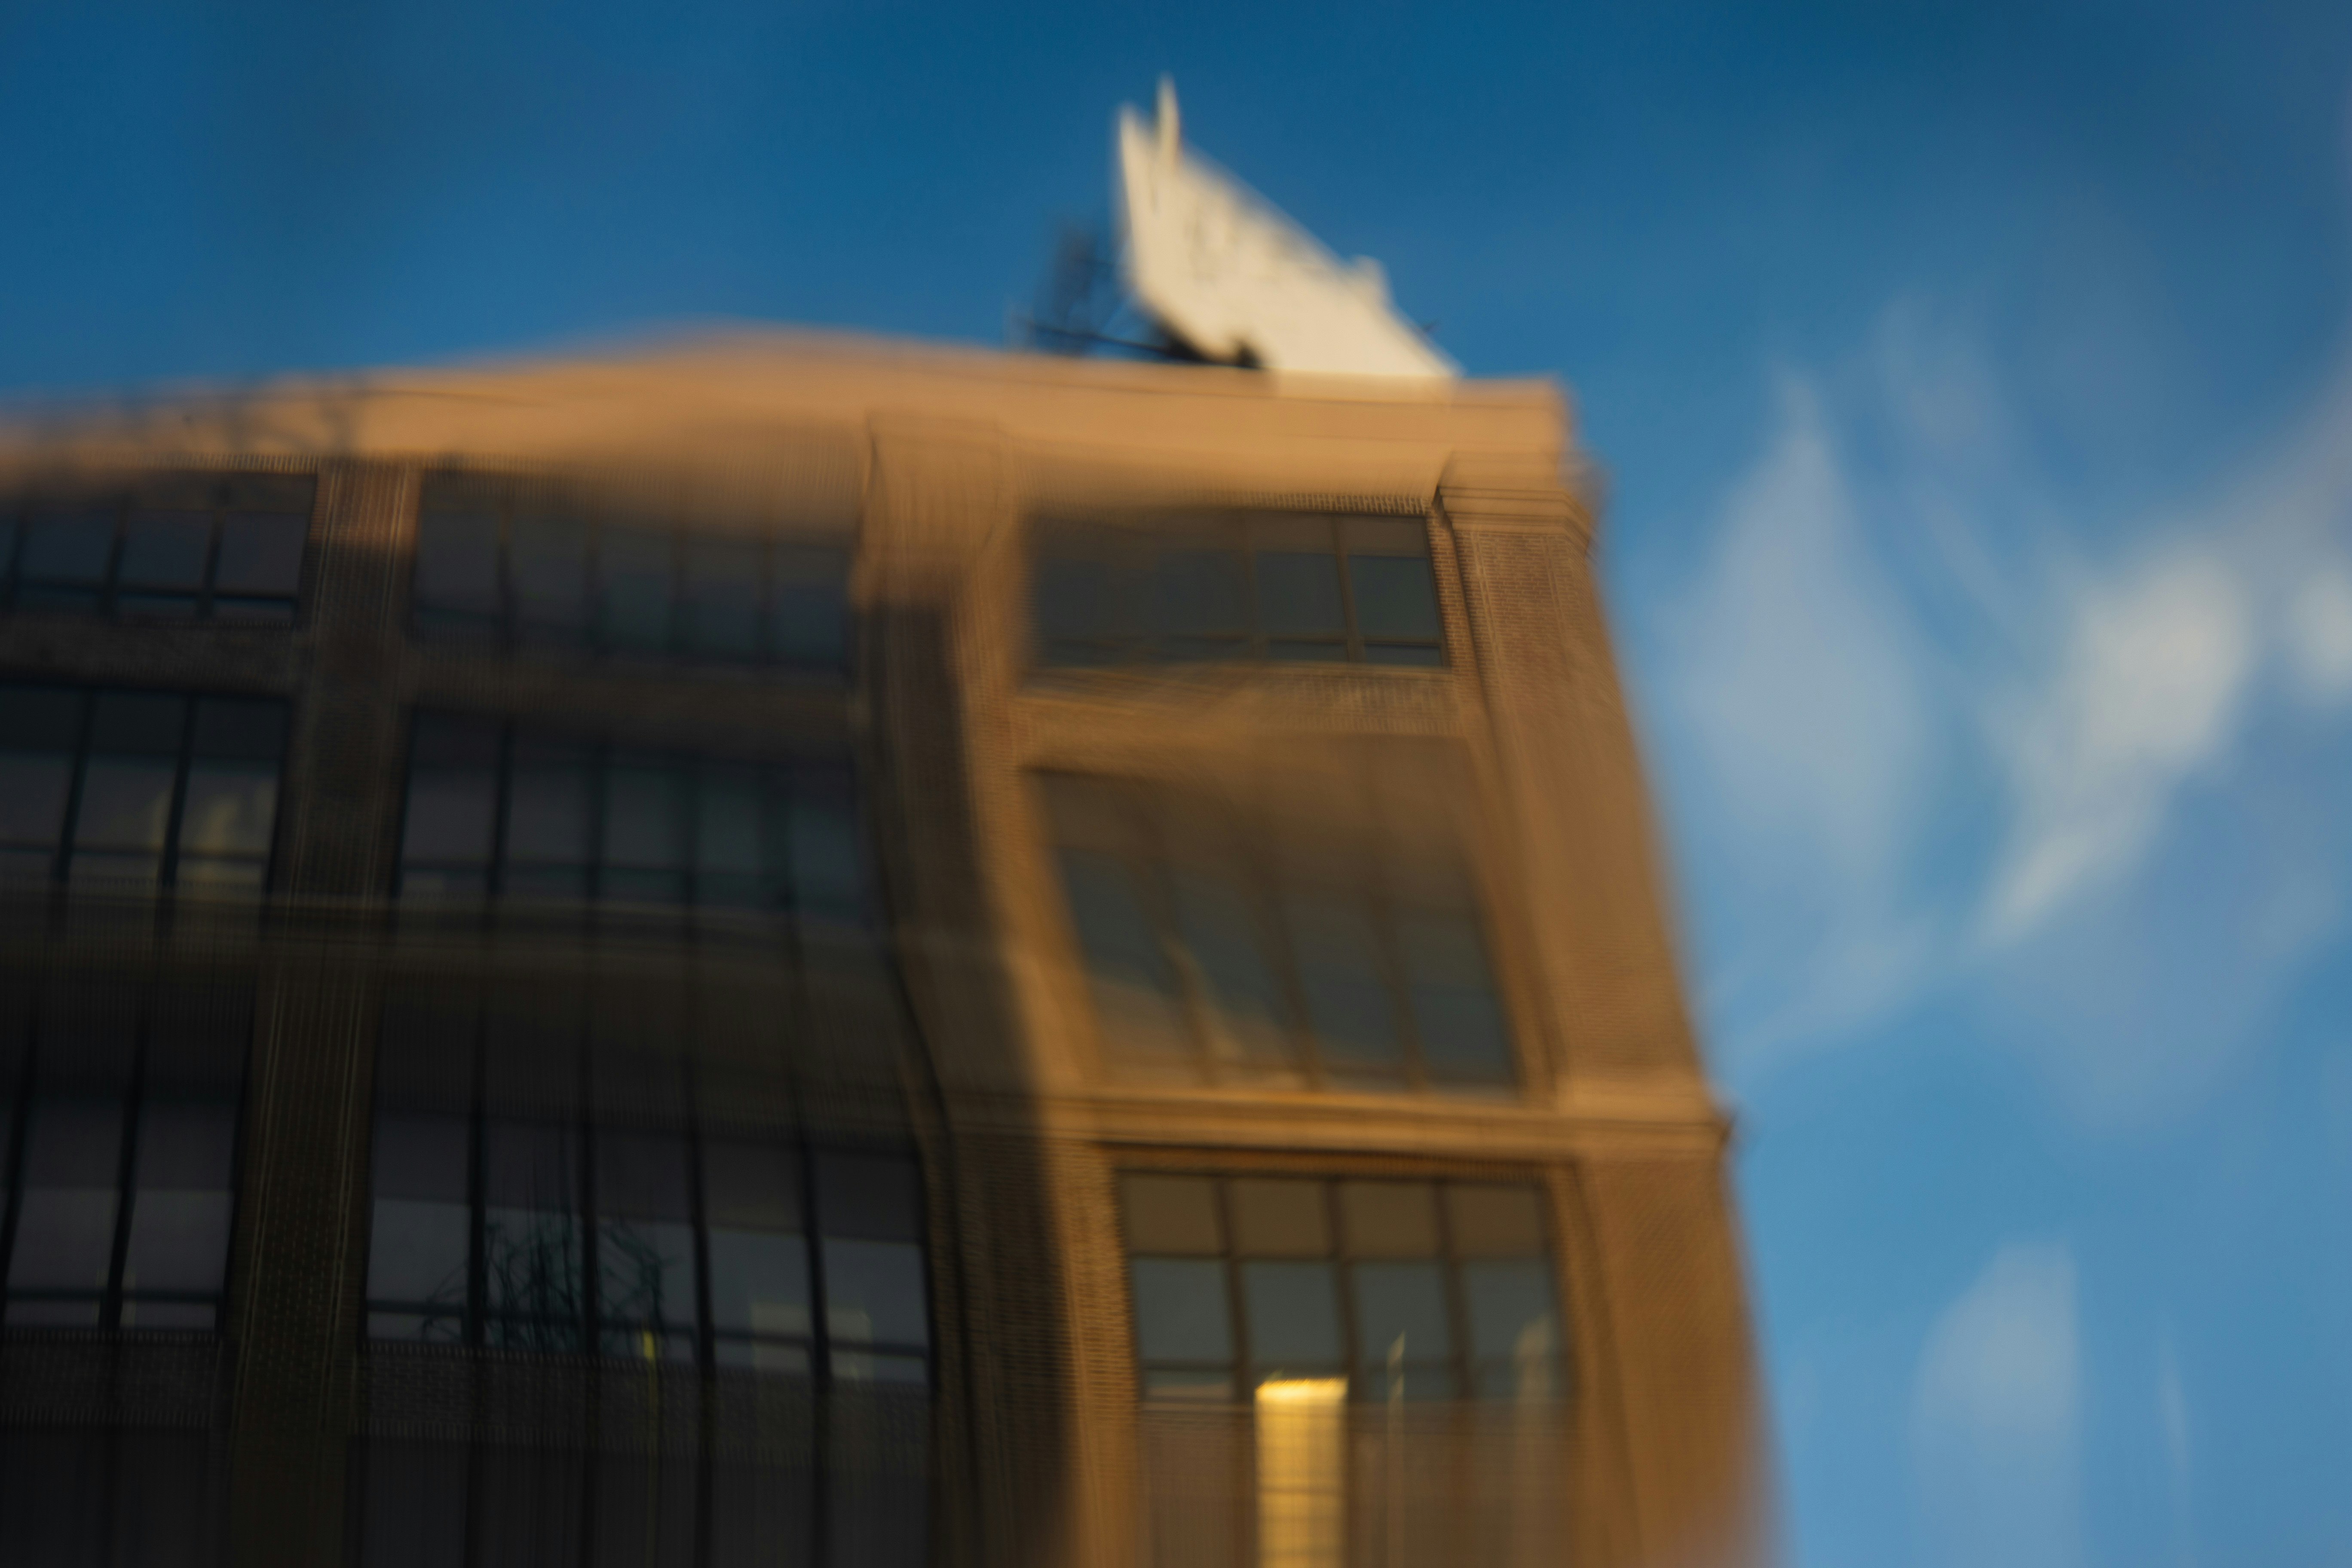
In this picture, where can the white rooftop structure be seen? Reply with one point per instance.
(1217, 266)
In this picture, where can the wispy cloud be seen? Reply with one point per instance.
(1995, 1418)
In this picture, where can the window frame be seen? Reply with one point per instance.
(1240, 531)
(167, 886)
(1146, 807)
(506, 625)
(778, 775)
(585, 1123)
(122, 503)
(137, 1098)
(1245, 1374)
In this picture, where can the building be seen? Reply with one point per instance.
(790, 950)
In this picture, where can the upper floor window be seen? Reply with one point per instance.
(530, 566)
(1232, 946)
(1386, 1289)
(499, 813)
(542, 1184)
(138, 791)
(168, 546)
(118, 1131)
(1265, 586)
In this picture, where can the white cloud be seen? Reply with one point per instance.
(1996, 1418)
(2319, 635)
(2147, 692)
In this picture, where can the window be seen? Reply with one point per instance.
(1263, 586)
(136, 790)
(1401, 1289)
(1219, 947)
(118, 1139)
(551, 1182)
(498, 813)
(166, 546)
(545, 568)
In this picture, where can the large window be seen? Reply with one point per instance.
(1268, 585)
(498, 813)
(170, 546)
(537, 566)
(543, 1185)
(135, 791)
(117, 1135)
(1226, 945)
(1405, 1289)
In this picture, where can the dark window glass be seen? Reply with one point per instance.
(1272, 585)
(534, 567)
(1205, 940)
(166, 546)
(498, 814)
(1416, 1290)
(506, 1212)
(122, 1190)
(152, 790)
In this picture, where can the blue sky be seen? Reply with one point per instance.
(1975, 389)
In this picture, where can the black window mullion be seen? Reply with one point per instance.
(1351, 1349)
(706, 1331)
(591, 1252)
(820, 1315)
(170, 874)
(110, 574)
(207, 577)
(1457, 1301)
(501, 798)
(1236, 1303)
(510, 608)
(1353, 631)
(1253, 627)
(72, 825)
(591, 531)
(599, 771)
(477, 1162)
(20, 1119)
(126, 1174)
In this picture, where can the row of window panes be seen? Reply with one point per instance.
(173, 546)
(497, 813)
(497, 563)
(1414, 1291)
(137, 791)
(519, 1221)
(1267, 586)
(117, 1135)
(1205, 943)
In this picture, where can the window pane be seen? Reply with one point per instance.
(1338, 970)
(826, 875)
(1279, 1218)
(873, 1292)
(64, 1227)
(67, 545)
(532, 1246)
(1076, 598)
(1180, 1313)
(808, 621)
(1395, 596)
(228, 727)
(759, 1283)
(180, 1216)
(644, 822)
(1135, 988)
(166, 549)
(260, 555)
(548, 806)
(549, 559)
(1293, 1315)
(634, 564)
(133, 723)
(1221, 932)
(417, 1248)
(647, 1274)
(1402, 1301)
(230, 809)
(723, 596)
(728, 856)
(33, 796)
(124, 805)
(1170, 1213)
(1299, 592)
(1454, 1006)
(449, 814)
(1514, 1324)
(872, 1197)
(457, 566)
(1199, 600)
(1388, 1219)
